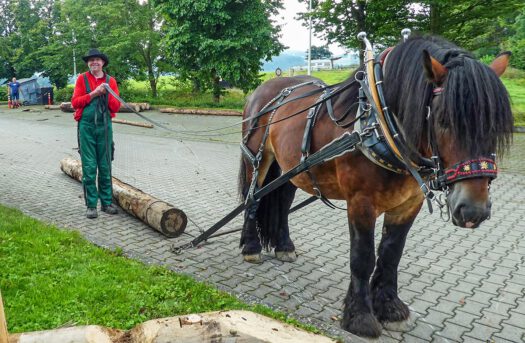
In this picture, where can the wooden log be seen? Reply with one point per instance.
(133, 123)
(135, 107)
(157, 214)
(66, 107)
(224, 326)
(200, 111)
(144, 106)
(3, 323)
(52, 107)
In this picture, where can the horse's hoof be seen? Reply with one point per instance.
(390, 310)
(253, 258)
(362, 324)
(286, 256)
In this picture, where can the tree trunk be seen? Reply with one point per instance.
(157, 214)
(435, 18)
(152, 81)
(216, 87)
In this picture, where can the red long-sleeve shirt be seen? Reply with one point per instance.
(81, 98)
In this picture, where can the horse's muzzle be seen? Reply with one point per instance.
(469, 215)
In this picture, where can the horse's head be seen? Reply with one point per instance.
(469, 121)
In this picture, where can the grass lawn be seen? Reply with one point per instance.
(516, 88)
(50, 278)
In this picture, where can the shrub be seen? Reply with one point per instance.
(64, 95)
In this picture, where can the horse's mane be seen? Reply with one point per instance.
(474, 105)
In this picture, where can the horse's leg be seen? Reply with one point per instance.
(387, 305)
(250, 241)
(284, 248)
(358, 317)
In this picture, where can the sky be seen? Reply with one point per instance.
(294, 35)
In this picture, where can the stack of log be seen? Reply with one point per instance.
(201, 111)
(137, 106)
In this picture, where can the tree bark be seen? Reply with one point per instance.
(157, 214)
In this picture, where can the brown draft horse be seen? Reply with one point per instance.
(470, 119)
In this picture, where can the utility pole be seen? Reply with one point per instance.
(310, 39)
(74, 55)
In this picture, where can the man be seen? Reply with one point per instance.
(13, 89)
(94, 108)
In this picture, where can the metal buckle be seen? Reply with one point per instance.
(286, 91)
(180, 249)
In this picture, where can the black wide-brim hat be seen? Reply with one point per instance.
(95, 53)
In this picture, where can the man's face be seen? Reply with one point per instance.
(14, 79)
(95, 64)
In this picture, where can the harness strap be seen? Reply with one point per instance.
(345, 143)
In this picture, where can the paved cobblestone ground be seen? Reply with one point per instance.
(461, 285)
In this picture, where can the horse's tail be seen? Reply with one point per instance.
(243, 184)
(269, 213)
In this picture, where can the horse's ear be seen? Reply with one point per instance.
(501, 62)
(434, 70)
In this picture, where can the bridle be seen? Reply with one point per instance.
(468, 169)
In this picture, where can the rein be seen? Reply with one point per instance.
(259, 114)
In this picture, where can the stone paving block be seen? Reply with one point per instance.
(422, 332)
(482, 332)
(464, 319)
(419, 307)
(470, 306)
(516, 319)
(435, 318)
(430, 296)
(482, 297)
(509, 298)
(510, 333)
(491, 319)
(451, 332)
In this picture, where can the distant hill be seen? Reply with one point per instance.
(286, 60)
(295, 58)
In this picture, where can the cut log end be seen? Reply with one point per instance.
(173, 223)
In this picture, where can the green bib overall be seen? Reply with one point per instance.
(96, 137)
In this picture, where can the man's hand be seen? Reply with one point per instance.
(98, 91)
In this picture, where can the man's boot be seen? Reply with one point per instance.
(109, 209)
(91, 213)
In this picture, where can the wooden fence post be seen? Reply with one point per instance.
(3, 323)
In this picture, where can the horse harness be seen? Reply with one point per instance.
(380, 139)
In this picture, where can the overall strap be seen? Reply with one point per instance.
(88, 89)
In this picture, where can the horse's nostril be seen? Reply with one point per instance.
(471, 216)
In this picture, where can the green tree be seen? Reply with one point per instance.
(213, 39)
(319, 52)
(516, 42)
(471, 24)
(339, 21)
